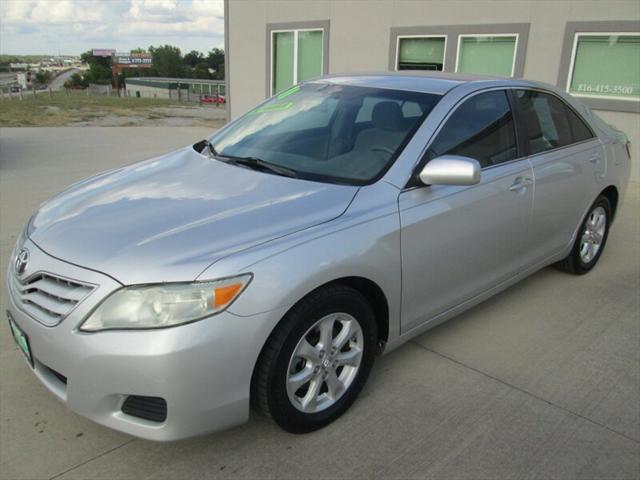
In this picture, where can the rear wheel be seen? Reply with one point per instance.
(591, 239)
(317, 360)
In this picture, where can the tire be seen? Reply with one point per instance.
(578, 262)
(275, 379)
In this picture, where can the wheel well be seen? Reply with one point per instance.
(611, 193)
(376, 297)
(372, 293)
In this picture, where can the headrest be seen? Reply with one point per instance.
(387, 115)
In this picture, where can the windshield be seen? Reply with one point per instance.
(328, 132)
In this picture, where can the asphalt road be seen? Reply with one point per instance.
(542, 381)
(58, 82)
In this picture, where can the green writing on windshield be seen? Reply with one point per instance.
(291, 91)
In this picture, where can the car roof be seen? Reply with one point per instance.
(419, 81)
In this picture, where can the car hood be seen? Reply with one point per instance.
(169, 218)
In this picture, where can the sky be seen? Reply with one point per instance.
(70, 27)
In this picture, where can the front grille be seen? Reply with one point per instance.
(48, 298)
(149, 408)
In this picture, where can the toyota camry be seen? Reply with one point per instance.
(269, 264)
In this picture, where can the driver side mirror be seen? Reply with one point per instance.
(451, 170)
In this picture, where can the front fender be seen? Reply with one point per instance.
(364, 242)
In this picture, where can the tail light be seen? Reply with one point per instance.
(627, 147)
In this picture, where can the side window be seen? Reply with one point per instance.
(579, 130)
(545, 121)
(481, 128)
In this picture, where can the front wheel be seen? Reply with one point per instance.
(317, 360)
(591, 239)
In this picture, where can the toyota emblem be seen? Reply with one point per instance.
(22, 260)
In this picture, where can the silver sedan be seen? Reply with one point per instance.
(269, 264)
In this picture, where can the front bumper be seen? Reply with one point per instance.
(203, 369)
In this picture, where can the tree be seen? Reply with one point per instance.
(215, 60)
(76, 81)
(98, 74)
(193, 58)
(43, 77)
(89, 59)
(201, 71)
(167, 61)
(219, 74)
(99, 68)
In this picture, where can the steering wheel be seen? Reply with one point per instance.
(377, 148)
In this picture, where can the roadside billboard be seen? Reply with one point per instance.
(103, 52)
(133, 59)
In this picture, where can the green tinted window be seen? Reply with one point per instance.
(487, 55)
(282, 60)
(303, 46)
(607, 66)
(309, 55)
(422, 53)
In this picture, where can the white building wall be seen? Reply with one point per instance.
(157, 92)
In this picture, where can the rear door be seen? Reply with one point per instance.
(459, 241)
(568, 163)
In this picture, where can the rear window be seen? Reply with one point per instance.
(579, 130)
(548, 123)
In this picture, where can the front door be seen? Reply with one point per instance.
(458, 241)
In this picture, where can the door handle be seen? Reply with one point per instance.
(520, 183)
(594, 159)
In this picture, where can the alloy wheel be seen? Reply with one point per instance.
(593, 234)
(325, 363)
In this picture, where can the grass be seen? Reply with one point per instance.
(61, 109)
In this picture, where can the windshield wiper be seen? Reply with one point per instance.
(252, 162)
(258, 163)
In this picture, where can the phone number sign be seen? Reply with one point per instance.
(606, 89)
(133, 60)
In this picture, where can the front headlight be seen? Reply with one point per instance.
(164, 305)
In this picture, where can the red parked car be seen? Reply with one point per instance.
(216, 100)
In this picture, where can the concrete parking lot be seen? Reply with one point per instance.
(542, 381)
